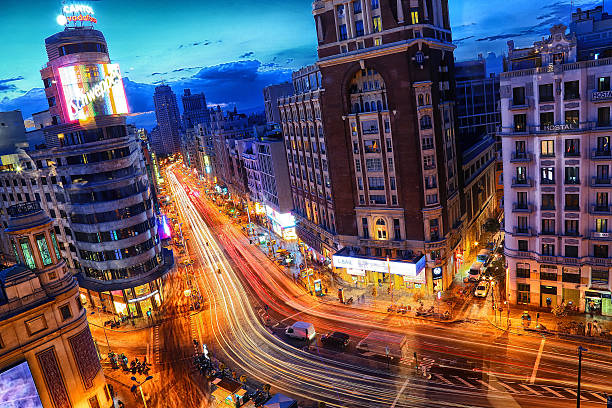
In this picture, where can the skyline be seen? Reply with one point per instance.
(192, 46)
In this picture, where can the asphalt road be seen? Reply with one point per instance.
(474, 365)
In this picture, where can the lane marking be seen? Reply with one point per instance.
(530, 389)
(300, 312)
(506, 386)
(464, 382)
(487, 384)
(401, 391)
(438, 376)
(537, 362)
(553, 392)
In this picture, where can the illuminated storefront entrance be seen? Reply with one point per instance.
(127, 302)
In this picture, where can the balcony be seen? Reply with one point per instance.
(571, 208)
(562, 127)
(600, 261)
(601, 236)
(600, 182)
(526, 182)
(571, 154)
(521, 157)
(601, 154)
(520, 104)
(601, 210)
(526, 232)
(522, 208)
(571, 182)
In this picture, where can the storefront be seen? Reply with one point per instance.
(598, 302)
(407, 274)
(127, 302)
(282, 224)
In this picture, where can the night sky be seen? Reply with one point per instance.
(228, 49)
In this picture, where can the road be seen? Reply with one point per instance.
(475, 365)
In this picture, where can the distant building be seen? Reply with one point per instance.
(46, 349)
(12, 131)
(167, 141)
(272, 94)
(195, 110)
(593, 31)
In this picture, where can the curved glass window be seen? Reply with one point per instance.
(28, 258)
(115, 235)
(43, 248)
(55, 246)
(116, 215)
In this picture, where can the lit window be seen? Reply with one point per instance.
(43, 248)
(27, 253)
(414, 15)
(377, 24)
(377, 41)
(381, 229)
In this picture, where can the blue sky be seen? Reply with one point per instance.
(229, 49)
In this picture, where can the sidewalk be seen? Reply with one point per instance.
(97, 318)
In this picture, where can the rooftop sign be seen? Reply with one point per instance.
(73, 14)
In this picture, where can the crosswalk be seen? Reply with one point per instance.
(156, 348)
(515, 387)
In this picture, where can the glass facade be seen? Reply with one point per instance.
(43, 248)
(28, 258)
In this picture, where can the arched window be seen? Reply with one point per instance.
(379, 106)
(356, 108)
(366, 107)
(426, 122)
(381, 229)
(420, 99)
(427, 100)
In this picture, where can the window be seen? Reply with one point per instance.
(548, 272)
(522, 224)
(548, 249)
(571, 227)
(378, 199)
(548, 226)
(572, 202)
(601, 225)
(519, 147)
(570, 275)
(520, 122)
(376, 183)
(572, 90)
(434, 229)
(523, 245)
(426, 122)
(427, 143)
(547, 148)
(371, 146)
(381, 229)
(431, 199)
(548, 201)
(548, 175)
(390, 163)
(374, 164)
(364, 226)
(572, 175)
(523, 270)
(428, 162)
(518, 95)
(377, 41)
(340, 11)
(357, 7)
(389, 145)
(572, 118)
(521, 199)
(603, 84)
(430, 181)
(397, 235)
(55, 247)
(360, 183)
(546, 93)
(603, 116)
(521, 174)
(600, 251)
(572, 147)
(523, 293)
(65, 312)
(546, 119)
(603, 173)
(601, 201)
(27, 253)
(375, 4)
(358, 164)
(359, 28)
(377, 24)
(414, 16)
(600, 277)
(343, 32)
(43, 249)
(393, 186)
(603, 145)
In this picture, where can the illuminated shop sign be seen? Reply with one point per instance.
(437, 272)
(92, 90)
(76, 13)
(406, 269)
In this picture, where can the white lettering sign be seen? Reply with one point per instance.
(77, 9)
(602, 96)
(379, 265)
(97, 91)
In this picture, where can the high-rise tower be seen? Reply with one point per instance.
(387, 116)
(167, 140)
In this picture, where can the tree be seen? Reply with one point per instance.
(491, 225)
(266, 389)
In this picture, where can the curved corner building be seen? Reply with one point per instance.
(101, 170)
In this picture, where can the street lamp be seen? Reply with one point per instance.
(580, 350)
(139, 385)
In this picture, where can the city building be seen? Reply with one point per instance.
(387, 72)
(12, 131)
(272, 94)
(47, 353)
(195, 110)
(556, 148)
(593, 31)
(167, 140)
(91, 178)
(307, 159)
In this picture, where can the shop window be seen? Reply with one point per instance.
(571, 275)
(523, 293)
(600, 277)
(548, 272)
(43, 249)
(600, 251)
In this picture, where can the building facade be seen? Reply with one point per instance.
(195, 110)
(12, 131)
(593, 31)
(46, 348)
(387, 72)
(556, 149)
(272, 94)
(167, 140)
(91, 178)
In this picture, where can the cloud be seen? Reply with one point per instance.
(195, 44)
(247, 55)
(186, 69)
(158, 73)
(540, 28)
(6, 86)
(461, 40)
(466, 25)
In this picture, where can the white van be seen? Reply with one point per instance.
(475, 271)
(301, 330)
(483, 256)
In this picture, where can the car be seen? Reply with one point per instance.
(476, 270)
(336, 340)
(301, 331)
(482, 289)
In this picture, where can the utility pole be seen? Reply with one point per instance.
(580, 350)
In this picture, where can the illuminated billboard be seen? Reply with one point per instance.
(17, 388)
(92, 90)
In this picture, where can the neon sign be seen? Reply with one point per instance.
(92, 90)
(75, 13)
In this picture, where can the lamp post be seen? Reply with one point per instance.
(580, 350)
(139, 385)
